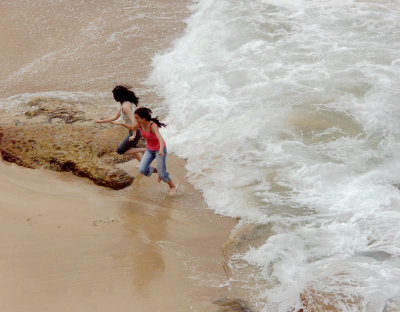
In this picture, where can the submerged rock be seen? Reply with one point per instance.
(245, 236)
(241, 239)
(56, 135)
(392, 305)
(315, 300)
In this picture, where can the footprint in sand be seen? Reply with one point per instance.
(100, 221)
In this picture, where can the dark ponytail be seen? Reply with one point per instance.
(145, 113)
(123, 94)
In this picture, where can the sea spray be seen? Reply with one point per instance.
(288, 113)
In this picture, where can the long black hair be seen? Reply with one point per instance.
(144, 112)
(123, 94)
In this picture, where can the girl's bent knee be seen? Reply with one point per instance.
(146, 171)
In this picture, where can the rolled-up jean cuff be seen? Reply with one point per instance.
(166, 179)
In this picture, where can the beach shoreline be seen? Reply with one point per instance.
(70, 245)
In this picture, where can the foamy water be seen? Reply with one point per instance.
(289, 113)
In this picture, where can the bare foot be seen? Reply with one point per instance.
(172, 191)
(159, 179)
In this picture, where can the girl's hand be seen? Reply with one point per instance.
(99, 121)
(161, 152)
(115, 123)
(131, 138)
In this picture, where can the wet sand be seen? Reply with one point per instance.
(84, 46)
(69, 245)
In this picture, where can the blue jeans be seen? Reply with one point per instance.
(126, 144)
(148, 157)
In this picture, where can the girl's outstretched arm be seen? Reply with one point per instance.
(156, 131)
(130, 127)
(115, 117)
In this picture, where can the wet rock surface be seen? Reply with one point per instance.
(315, 300)
(245, 236)
(240, 241)
(52, 109)
(58, 136)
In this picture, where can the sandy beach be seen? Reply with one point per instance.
(68, 245)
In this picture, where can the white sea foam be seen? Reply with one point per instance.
(289, 112)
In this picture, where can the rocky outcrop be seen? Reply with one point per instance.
(52, 109)
(58, 136)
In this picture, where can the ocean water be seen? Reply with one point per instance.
(288, 113)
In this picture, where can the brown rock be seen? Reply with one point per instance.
(54, 109)
(57, 136)
(315, 300)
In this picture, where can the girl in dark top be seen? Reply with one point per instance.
(127, 99)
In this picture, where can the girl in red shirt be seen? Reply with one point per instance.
(156, 147)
